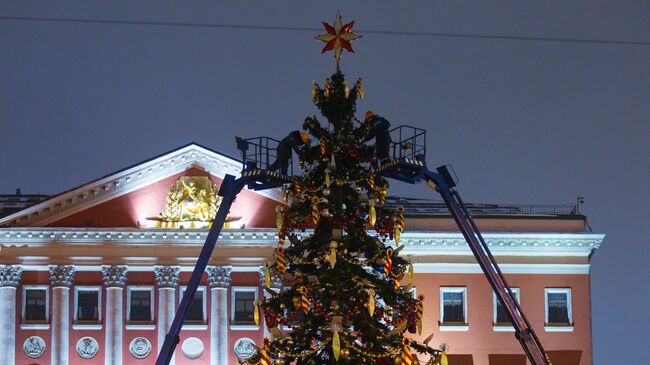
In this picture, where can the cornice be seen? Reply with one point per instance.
(128, 180)
(416, 243)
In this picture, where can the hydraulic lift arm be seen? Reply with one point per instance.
(443, 183)
(228, 190)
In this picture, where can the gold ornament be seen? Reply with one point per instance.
(371, 304)
(279, 217)
(346, 88)
(399, 224)
(327, 178)
(267, 276)
(323, 147)
(331, 256)
(409, 272)
(315, 215)
(327, 87)
(419, 311)
(256, 312)
(336, 345)
(359, 87)
(372, 214)
(314, 91)
(371, 181)
(406, 356)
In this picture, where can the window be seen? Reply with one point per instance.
(87, 304)
(453, 308)
(196, 312)
(500, 316)
(35, 304)
(139, 303)
(558, 308)
(243, 306)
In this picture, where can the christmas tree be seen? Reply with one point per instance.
(346, 297)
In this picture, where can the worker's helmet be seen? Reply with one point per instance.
(369, 114)
(304, 136)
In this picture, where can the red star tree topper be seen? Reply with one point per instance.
(338, 37)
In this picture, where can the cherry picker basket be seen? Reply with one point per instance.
(406, 161)
(258, 154)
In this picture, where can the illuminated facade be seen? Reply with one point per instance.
(93, 275)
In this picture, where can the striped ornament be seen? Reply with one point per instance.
(406, 356)
(280, 260)
(388, 267)
(304, 300)
(265, 358)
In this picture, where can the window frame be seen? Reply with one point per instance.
(35, 324)
(131, 322)
(192, 324)
(503, 326)
(453, 326)
(558, 326)
(87, 324)
(233, 291)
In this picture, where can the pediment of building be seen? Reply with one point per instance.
(133, 196)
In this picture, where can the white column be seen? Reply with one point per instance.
(61, 277)
(167, 281)
(9, 279)
(114, 280)
(219, 282)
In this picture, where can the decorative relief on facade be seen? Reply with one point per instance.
(61, 275)
(10, 275)
(34, 347)
(140, 347)
(192, 202)
(167, 276)
(192, 348)
(245, 348)
(114, 276)
(87, 347)
(219, 276)
(276, 280)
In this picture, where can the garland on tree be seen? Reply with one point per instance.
(342, 298)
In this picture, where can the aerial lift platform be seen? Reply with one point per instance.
(406, 163)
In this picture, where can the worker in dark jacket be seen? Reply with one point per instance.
(294, 141)
(379, 130)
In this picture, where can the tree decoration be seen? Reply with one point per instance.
(399, 224)
(342, 298)
(338, 37)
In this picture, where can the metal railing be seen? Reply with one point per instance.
(260, 153)
(408, 142)
(421, 207)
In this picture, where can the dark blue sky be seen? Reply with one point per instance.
(521, 121)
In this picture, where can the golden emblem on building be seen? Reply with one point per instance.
(192, 202)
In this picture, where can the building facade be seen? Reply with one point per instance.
(94, 275)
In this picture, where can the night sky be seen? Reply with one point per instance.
(537, 122)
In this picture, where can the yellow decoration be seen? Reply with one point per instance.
(405, 355)
(409, 273)
(419, 311)
(323, 146)
(314, 90)
(315, 214)
(327, 86)
(372, 214)
(336, 345)
(267, 276)
(256, 312)
(192, 202)
(328, 181)
(280, 260)
(346, 88)
(371, 181)
(399, 224)
(443, 359)
(360, 88)
(279, 217)
(371, 302)
(331, 256)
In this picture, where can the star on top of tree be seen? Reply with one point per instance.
(338, 37)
